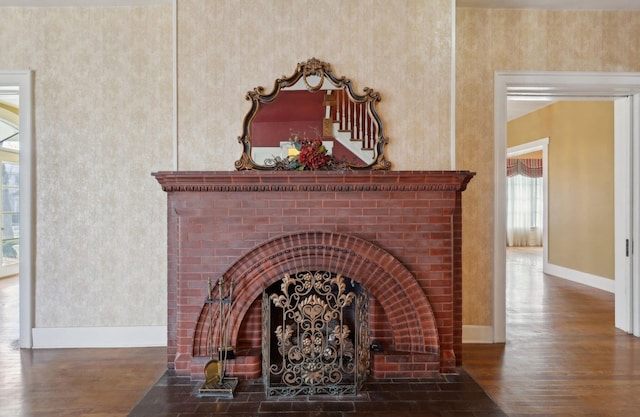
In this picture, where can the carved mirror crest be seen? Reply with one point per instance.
(312, 120)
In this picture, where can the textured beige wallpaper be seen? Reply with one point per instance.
(103, 117)
(489, 40)
(402, 49)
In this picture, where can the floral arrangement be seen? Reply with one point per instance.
(312, 155)
(309, 155)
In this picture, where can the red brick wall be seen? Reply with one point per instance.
(396, 233)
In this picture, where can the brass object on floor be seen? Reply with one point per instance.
(212, 373)
(216, 383)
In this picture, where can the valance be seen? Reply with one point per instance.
(528, 167)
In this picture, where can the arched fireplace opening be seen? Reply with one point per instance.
(400, 314)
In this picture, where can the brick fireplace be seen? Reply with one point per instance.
(396, 233)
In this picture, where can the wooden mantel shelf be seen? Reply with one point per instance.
(347, 181)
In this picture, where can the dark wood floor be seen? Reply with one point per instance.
(69, 382)
(563, 358)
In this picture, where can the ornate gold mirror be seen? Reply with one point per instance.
(312, 120)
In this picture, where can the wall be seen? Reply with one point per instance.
(103, 86)
(581, 183)
(103, 114)
(489, 40)
(103, 117)
(228, 47)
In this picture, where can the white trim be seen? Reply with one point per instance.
(540, 85)
(583, 278)
(623, 200)
(635, 217)
(9, 270)
(477, 334)
(533, 146)
(500, 210)
(99, 337)
(24, 81)
(175, 85)
(452, 118)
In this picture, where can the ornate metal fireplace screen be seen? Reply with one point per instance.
(315, 335)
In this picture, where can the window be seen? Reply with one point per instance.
(525, 207)
(9, 136)
(10, 188)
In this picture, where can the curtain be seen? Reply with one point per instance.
(527, 167)
(524, 202)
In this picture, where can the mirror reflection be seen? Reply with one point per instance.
(312, 120)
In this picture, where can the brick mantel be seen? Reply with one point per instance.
(399, 233)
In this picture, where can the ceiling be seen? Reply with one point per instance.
(79, 3)
(518, 108)
(520, 4)
(553, 4)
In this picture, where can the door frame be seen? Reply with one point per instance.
(24, 80)
(565, 85)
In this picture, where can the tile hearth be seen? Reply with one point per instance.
(448, 395)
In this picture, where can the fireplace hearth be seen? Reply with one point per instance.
(396, 235)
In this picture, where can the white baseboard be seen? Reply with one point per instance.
(584, 278)
(484, 334)
(99, 337)
(477, 334)
(148, 336)
(9, 271)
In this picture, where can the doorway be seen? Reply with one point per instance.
(22, 83)
(625, 87)
(9, 180)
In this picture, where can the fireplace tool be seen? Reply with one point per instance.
(216, 382)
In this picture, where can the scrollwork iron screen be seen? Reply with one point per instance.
(315, 335)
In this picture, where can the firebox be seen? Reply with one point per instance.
(390, 240)
(315, 335)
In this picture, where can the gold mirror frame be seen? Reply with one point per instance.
(304, 71)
